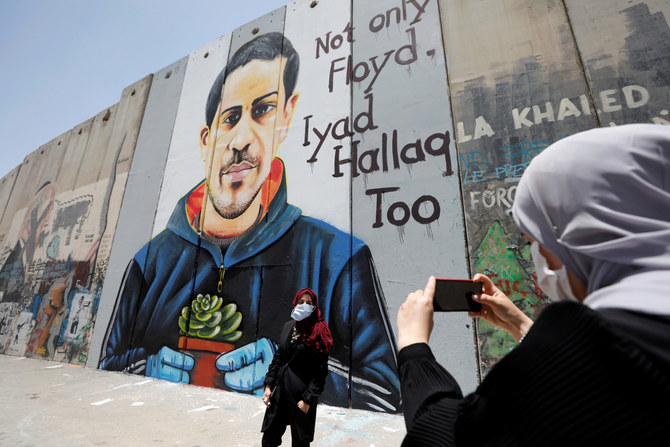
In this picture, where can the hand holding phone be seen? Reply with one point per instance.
(415, 316)
(455, 295)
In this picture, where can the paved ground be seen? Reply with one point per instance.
(54, 404)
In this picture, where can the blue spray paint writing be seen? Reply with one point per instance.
(475, 163)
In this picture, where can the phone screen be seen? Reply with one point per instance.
(453, 295)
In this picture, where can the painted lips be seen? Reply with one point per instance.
(237, 172)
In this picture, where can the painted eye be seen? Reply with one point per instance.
(232, 118)
(262, 109)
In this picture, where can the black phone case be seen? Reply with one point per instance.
(455, 295)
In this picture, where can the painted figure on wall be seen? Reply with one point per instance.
(36, 285)
(200, 302)
(13, 272)
(17, 273)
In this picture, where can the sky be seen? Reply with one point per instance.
(66, 60)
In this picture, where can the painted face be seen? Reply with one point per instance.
(251, 121)
(38, 213)
(306, 298)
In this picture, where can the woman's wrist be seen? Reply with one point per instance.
(522, 328)
(404, 341)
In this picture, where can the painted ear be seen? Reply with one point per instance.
(204, 134)
(289, 108)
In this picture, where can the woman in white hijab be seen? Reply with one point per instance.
(594, 369)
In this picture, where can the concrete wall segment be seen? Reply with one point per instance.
(137, 213)
(118, 155)
(270, 22)
(517, 85)
(30, 174)
(74, 155)
(93, 160)
(626, 52)
(408, 208)
(6, 188)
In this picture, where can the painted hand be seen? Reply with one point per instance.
(245, 368)
(170, 365)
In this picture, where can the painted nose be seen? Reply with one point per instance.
(244, 134)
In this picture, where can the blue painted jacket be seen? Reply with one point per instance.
(261, 273)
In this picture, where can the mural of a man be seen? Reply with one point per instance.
(235, 236)
(12, 274)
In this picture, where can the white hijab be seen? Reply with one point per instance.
(600, 201)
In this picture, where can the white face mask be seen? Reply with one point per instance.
(302, 311)
(554, 283)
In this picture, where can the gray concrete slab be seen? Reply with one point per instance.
(54, 404)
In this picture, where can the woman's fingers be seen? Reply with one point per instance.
(429, 291)
(415, 316)
(484, 298)
(489, 290)
(487, 284)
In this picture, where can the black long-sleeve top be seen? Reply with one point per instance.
(580, 377)
(296, 373)
(306, 369)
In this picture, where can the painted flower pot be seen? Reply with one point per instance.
(204, 353)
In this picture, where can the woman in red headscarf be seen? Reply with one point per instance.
(297, 374)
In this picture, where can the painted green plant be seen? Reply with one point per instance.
(206, 319)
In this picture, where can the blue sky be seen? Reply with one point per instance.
(66, 60)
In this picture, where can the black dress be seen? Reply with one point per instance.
(579, 378)
(296, 373)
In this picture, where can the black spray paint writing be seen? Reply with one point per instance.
(398, 213)
(390, 154)
(392, 151)
(363, 70)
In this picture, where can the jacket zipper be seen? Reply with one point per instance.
(222, 272)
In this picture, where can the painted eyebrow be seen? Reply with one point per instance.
(237, 108)
(253, 103)
(260, 98)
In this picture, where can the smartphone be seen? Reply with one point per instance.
(452, 295)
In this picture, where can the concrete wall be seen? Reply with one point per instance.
(410, 126)
(58, 226)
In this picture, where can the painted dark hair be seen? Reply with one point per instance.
(44, 185)
(265, 47)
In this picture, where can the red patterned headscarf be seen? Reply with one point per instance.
(314, 330)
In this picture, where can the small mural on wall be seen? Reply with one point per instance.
(51, 264)
(58, 230)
